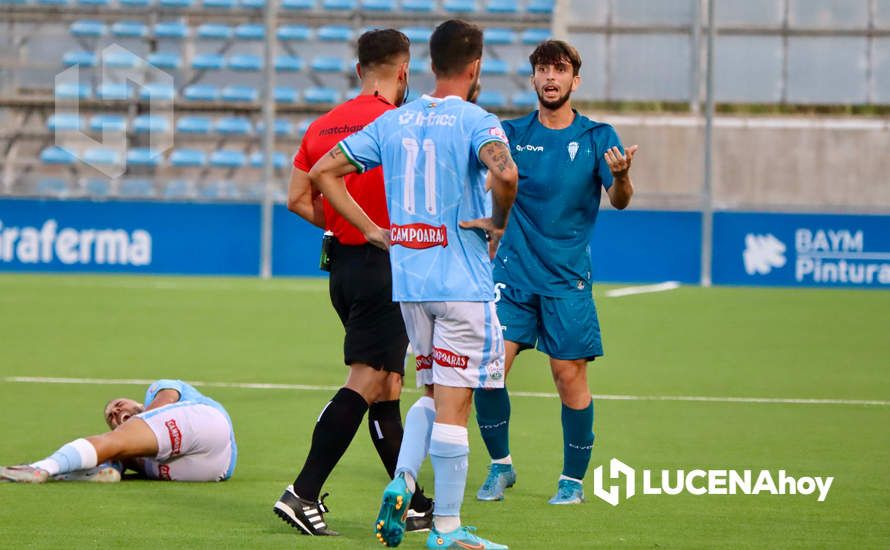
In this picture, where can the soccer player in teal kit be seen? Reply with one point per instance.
(542, 270)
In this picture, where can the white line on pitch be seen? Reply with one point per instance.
(605, 397)
(645, 289)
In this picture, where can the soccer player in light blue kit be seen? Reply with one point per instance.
(543, 270)
(435, 152)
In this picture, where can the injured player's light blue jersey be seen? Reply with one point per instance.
(187, 392)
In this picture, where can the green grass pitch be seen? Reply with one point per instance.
(720, 342)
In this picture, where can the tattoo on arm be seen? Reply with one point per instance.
(335, 153)
(496, 156)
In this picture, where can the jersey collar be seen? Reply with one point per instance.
(427, 97)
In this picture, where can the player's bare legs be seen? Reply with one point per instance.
(570, 378)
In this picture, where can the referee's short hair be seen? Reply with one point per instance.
(381, 46)
(454, 45)
(553, 52)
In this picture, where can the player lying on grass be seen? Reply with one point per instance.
(181, 435)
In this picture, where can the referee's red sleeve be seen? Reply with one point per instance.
(301, 159)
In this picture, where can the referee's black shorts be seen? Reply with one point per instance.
(361, 292)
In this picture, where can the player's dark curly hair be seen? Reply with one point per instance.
(553, 52)
(379, 46)
(454, 45)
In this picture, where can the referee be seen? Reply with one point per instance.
(361, 292)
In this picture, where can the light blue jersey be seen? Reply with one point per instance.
(429, 149)
(546, 246)
(187, 393)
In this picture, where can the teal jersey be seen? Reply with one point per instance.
(546, 246)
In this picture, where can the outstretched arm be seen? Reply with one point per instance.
(622, 187)
(503, 178)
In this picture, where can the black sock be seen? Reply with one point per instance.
(332, 435)
(385, 425)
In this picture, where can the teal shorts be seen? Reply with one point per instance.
(562, 327)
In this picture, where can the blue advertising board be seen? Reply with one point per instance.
(296, 245)
(801, 250)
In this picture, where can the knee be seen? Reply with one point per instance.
(391, 388)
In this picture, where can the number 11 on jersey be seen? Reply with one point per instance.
(429, 174)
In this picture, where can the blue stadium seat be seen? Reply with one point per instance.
(328, 64)
(352, 93)
(219, 4)
(88, 29)
(378, 5)
(138, 187)
(64, 122)
(97, 188)
(57, 155)
(250, 31)
(526, 100)
(281, 127)
(245, 62)
(321, 95)
(71, 90)
(501, 6)
(339, 5)
(102, 156)
(114, 91)
(225, 158)
(13, 2)
(495, 35)
(201, 92)
(144, 124)
(157, 91)
(165, 60)
(52, 186)
(214, 31)
(176, 3)
(491, 99)
(219, 190)
(298, 5)
(82, 58)
(303, 126)
(419, 65)
(121, 59)
(539, 6)
(143, 156)
(239, 93)
(108, 123)
(135, 3)
(418, 35)
(129, 29)
(177, 189)
(233, 126)
(253, 4)
(193, 125)
(279, 159)
(208, 62)
(285, 94)
(188, 158)
(495, 66)
(52, 2)
(334, 33)
(294, 33)
(459, 6)
(171, 29)
(288, 64)
(535, 36)
(94, 3)
(424, 6)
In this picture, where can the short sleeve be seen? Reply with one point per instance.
(486, 130)
(362, 148)
(159, 385)
(301, 159)
(605, 140)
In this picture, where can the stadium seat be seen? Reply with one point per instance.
(352, 93)
(298, 5)
(527, 99)
(294, 33)
(496, 35)
(219, 4)
(57, 156)
(419, 65)
(239, 93)
(86, 28)
(71, 90)
(177, 189)
(52, 2)
(114, 91)
(94, 3)
(219, 190)
(171, 29)
(253, 4)
(64, 122)
(501, 6)
(328, 64)
(97, 188)
(245, 62)
(176, 3)
(214, 31)
(201, 92)
(82, 58)
(334, 33)
(165, 60)
(284, 94)
(288, 64)
(129, 29)
(233, 126)
(108, 123)
(188, 158)
(121, 59)
(459, 6)
(144, 124)
(304, 126)
(539, 6)
(208, 62)
(137, 187)
(226, 158)
(135, 3)
(534, 36)
(52, 186)
(156, 91)
(250, 31)
(418, 35)
(378, 5)
(13, 2)
(281, 127)
(491, 99)
(495, 66)
(102, 156)
(424, 6)
(339, 5)
(279, 159)
(143, 156)
(192, 124)
(321, 95)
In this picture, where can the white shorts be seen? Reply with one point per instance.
(195, 443)
(457, 344)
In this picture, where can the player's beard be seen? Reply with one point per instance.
(402, 96)
(553, 105)
(473, 92)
